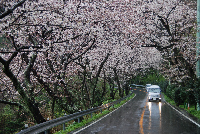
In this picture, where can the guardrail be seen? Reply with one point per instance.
(45, 126)
(135, 85)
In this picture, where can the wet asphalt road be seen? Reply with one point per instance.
(139, 116)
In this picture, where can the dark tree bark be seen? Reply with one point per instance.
(104, 86)
(52, 107)
(96, 78)
(111, 84)
(11, 103)
(118, 83)
(51, 93)
(126, 88)
(32, 107)
(9, 11)
(112, 87)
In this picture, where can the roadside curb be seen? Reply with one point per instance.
(184, 113)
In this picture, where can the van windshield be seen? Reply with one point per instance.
(148, 85)
(154, 90)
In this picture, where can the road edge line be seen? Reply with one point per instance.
(101, 117)
(183, 115)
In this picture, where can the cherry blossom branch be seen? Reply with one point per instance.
(173, 8)
(83, 66)
(9, 11)
(62, 41)
(41, 25)
(157, 46)
(50, 92)
(50, 65)
(117, 79)
(75, 37)
(13, 42)
(23, 12)
(24, 47)
(2, 60)
(29, 104)
(29, 67)
(165, 23)
(179, 56)
(6, 52)
(73, 59)
(12, 57)
(101, 66)
(11, 38)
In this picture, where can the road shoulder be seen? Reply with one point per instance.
(183, 112)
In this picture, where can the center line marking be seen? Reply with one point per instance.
(141, 119)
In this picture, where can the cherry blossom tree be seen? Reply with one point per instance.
(170, 27)
(38, 53)
(63, 49)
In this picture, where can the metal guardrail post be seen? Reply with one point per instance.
(45, 126)
(63, 126)
(79, 120)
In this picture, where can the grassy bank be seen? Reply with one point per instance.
(190, 110)
(87, 119)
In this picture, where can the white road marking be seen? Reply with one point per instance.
(183, 115)
(101, 117)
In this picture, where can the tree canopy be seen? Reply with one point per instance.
(64, 48)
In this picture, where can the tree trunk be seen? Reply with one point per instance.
(32, 107)
(97, 76)
(104, 86)
(126, 88)
(118, 83)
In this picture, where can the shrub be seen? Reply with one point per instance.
(170, 91)
(180, 95)
(11, 120)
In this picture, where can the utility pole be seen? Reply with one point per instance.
(198, 45)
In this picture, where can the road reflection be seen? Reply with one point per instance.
(149, 104)
(154, 111)
(160, 104)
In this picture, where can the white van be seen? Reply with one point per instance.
(154, 93)
(147, 86)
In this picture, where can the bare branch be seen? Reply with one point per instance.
(83, 66)
(19, 16)
(10, 103)
(75, 37)
(158, 47)
(2, 60)
(13, 41)
(12, 57)
(97, 76)
(9, 11)
(6, 52)
(28, 69)
(164, 22)
(172, 9)
(101, 66)
(82, 53)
